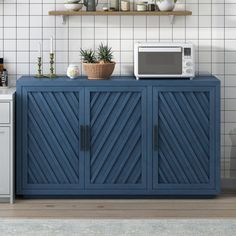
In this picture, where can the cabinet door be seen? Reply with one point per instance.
(5, 161)
(51, 158)
(185, 135)
(116, 149)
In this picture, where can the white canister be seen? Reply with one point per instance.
(73, 71)
(124, 5)
(166, 5)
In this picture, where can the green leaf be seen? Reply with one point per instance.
(88, 56)
(105, 53)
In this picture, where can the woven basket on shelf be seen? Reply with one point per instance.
(99, 70)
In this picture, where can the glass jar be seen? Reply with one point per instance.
(73, 71)
(114, 5)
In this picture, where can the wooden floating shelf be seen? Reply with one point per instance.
(120, 13)
(171, 14)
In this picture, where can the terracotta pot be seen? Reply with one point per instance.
(99, 70)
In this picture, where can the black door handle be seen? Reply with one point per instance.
(155, 137)
(82, 143)
(87, 137)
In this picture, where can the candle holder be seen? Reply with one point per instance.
(52, 75)
(39, 75)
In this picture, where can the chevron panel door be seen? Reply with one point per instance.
(184, 138)
(51, 132)
(116, 156)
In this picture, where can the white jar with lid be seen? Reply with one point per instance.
(73, 71)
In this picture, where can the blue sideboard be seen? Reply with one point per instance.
(118, 137)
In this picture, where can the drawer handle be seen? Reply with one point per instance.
(82, 144)
(155, 137)
(87, 138)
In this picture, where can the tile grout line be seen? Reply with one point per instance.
(3, 25)
(224, 158)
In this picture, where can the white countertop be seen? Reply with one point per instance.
(7, 93)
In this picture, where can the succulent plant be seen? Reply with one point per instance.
(88, 56)
(105, 53)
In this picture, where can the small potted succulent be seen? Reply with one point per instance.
(98, 65)
(166, 5)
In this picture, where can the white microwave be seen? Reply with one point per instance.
(164, 60)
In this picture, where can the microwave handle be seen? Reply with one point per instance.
(152, 49)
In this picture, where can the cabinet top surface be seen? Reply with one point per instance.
(117, 80)
(7, 93)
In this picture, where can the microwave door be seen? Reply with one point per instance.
(160, 61)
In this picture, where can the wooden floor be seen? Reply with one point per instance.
(223, 206)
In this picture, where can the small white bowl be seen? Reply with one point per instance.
(73, 6)
(72, 1)
(166, 5)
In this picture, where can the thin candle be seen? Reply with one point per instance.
(39, 50)
(51, 48)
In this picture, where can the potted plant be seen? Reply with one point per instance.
(166, 5)
(98, 66)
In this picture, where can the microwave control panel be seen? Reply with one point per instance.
(188, 64)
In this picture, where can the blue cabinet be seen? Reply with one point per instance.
(118, 137)
(50, 139)
(184, 126)
(116, 154)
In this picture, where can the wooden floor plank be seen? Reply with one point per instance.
(221, 207)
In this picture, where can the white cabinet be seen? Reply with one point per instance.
(5, 160)
(7, 144)
(4, 113)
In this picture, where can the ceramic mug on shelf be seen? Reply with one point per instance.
(73, 71)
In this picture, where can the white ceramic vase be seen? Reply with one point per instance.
(166, 5)
(73, 71)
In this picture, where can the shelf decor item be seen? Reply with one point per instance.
(151, 7)
(166, 5)
(91, 5)
(73, 71)
(39, 65)
(141, 6)
(98, 67)
(39, 62)
(73, 6)
(125, 5)
(114, 5)
(52, 75)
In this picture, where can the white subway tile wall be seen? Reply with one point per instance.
(212, 29)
